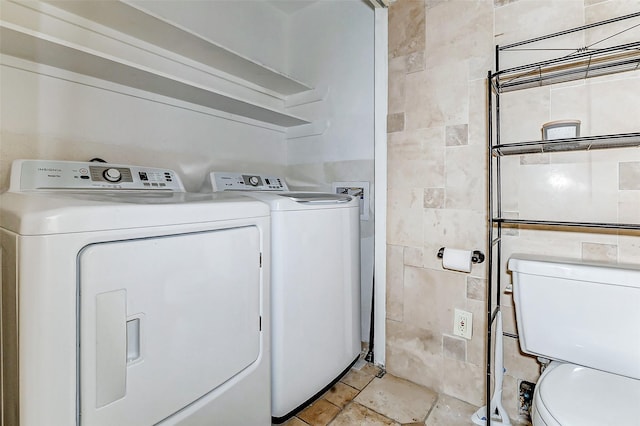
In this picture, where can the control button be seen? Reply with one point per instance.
(112, 175)
(84, 177)
(84, 171)
(254, 181)
(143, 176)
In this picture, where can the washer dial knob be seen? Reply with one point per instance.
(254, 181)
(112, 175)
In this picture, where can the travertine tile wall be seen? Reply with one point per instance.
(439, 55)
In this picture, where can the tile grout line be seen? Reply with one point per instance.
(432, 407)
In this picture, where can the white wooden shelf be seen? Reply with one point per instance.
(141, 24)
(118, 43)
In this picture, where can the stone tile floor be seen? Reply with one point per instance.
(363, 399)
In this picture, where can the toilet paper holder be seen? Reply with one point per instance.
(476, 256)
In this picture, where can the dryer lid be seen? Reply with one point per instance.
(576, 395)
(52, 197)
(44, 213)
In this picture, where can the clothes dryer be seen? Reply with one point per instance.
(128, 301)
(315, 286)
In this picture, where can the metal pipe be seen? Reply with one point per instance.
(489, 237)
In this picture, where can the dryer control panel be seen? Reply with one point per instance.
(227, 181)
(31, 175)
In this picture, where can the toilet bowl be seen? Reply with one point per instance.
(569, 394)
(581, 316)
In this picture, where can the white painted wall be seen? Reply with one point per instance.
(251, 28)
(331, 44)
(52, 118)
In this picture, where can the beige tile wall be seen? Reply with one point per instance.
(439, 55)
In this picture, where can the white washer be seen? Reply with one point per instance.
(315, 287)
(127, 301)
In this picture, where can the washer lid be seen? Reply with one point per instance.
(575, 395)
(301, 201)
(316, 197)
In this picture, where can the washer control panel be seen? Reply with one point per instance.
(227, 181)
(29, 175)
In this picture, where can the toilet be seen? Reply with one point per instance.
(585, 319)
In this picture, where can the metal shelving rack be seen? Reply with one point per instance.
(583, 63)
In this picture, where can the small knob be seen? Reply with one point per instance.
(112, 175)
(254, 181)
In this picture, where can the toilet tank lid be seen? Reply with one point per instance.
(574, 269)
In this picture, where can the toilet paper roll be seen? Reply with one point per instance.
(457, 260)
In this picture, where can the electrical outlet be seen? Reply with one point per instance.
(463, 323)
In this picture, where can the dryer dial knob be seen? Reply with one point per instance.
(254, 181)
(112, 175)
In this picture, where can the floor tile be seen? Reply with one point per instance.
(369, 368)
(340, 394)
(450, 411)
(397, 399)
(294, 421)
(358, 378)
(356, 414)
(319, 413)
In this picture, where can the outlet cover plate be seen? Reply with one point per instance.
(463, 323)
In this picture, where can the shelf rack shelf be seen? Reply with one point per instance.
(548, 223)
(583, 63)
(587, 143)
(592, 63)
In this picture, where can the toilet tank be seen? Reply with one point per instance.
(578, 312)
